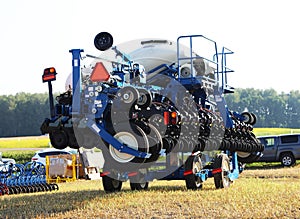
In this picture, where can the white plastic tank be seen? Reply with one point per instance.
(154, 53)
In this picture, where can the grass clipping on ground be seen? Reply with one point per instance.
(276, 195)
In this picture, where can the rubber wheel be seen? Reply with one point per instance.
(287, 159)
(59, 139)
(134, 137)
(155, 143)
(254, 119)
(246, 157)
(111, 185)
(72, 140)
(103, 41)
(250, 118)
(137, 139)
(194, 164)
(145, 98)
(128, 95)
(86, 138)
(139, 186)
(220, 178)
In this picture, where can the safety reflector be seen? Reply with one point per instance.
(187, 172)
(132, 174)
(166, 118)
(218, 170)
(104, 173)
(99, 73)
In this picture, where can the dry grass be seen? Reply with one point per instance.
(263, 193)
(273, 173)
(251, 196)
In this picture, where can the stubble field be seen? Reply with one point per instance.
(267, 191)
(263, 193)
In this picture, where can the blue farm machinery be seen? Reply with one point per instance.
(156, 109)
(27, 178)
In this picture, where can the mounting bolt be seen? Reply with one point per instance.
(94, 110)
(99, 88)
(125, 96)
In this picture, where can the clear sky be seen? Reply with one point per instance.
(36, 34)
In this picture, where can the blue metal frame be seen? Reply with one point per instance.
(76, 83)
(114, 142)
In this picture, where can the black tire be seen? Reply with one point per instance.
(246, 157)
(59, 139)
(122, 162)
(139, 186)
(155, 143)
(250, 118)
(111, 185)
(103, 41)
(220, 177)
(54, 186)
(145, 98)
(72, 141)
(192, 166)
(254, 119)
(138, 181)
(287, 159)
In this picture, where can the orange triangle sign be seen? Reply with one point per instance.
(99, 73)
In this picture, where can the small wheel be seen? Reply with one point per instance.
(192, 166)
(111, 185)
(145, 98)
(246, 157)
(59, 139)
(249, 118)
(131, 136)
(128, 95)
(287, 159)
(54, 186)
(139, 186)
(155, 143)
(103, 41)
(138, 181)
(72, 140)
(253, 119)
(136, 139)
(222, 167)
(86, 138)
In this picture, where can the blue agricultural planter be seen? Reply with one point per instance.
(156, 109)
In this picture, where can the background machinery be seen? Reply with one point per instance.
(156, 109)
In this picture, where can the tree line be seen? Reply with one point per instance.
(272, 109)
(22, 114)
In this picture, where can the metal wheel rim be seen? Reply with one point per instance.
(130, 140)
(144, 97)
(197, 168)
(225, 168)
(243, 154)
(128, 97)
(286, 161)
